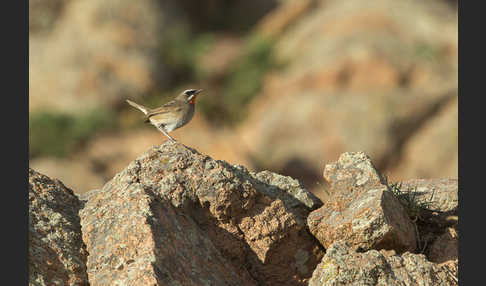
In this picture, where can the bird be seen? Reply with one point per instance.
(172, 115)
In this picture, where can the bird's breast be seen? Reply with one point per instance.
(189, 114)
(184, 118)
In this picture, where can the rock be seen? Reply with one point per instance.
(343, 266)
(445, 247)
(57, 254)
(451, 267)
(275, 184)
(441, 195)
(174, 216)
(353, 169)
(361, 210)
(141, 240)
(434, 203)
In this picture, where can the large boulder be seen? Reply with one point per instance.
(177, 216)
(174, 216)
(57, 254)
(361, 210)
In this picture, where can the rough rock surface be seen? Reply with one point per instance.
(353, 169)
(361, 210)
(174, 216)
(436, 216)
(57, 254)
(342, 266)
(440, 194)
(452, 268)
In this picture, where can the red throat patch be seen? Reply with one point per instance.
(193, 100)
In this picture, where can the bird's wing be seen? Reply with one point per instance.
(166, 108)
(166, 113)
(165, 117)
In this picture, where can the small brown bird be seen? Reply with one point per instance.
(172, 115)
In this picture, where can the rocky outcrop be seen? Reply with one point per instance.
(173, 213)
(343, 266)
(361, 210)
(57, 254)
(367, 221)
(175, 216)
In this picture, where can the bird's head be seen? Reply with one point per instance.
(189, 95)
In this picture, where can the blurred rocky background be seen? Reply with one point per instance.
(289, 84)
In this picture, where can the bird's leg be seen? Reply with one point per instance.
(166, 134)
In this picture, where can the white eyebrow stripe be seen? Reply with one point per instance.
(189, 90)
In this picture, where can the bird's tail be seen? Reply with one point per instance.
(144, 109)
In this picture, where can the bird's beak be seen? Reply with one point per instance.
(198, 91)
